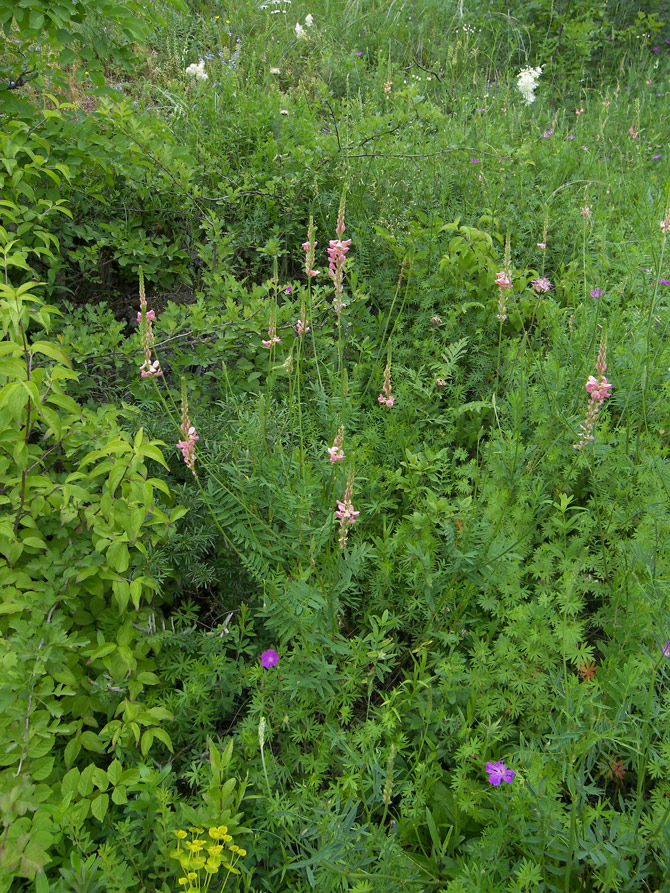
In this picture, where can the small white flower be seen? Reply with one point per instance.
(309, 21)
(300, 32)
(197, 70)
(275, 71)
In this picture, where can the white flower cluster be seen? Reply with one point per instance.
(279, 3)
(197, 70)
(527, 82)
(300, 32)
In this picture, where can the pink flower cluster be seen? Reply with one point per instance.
(665, 223)
(598, 390)
(386, 396)
(187, 445)
(337, 250)
(504, 282)
(309, 247)
(542, 285)
(273, 337)
(336, 453)
(146, 320)
(345, 512)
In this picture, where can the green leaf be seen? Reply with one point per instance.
(99, 806)
(118, 557)
(53, 351)
(90, 741)
(147, 741)
(114, 771)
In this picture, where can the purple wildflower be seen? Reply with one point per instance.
(666, 649)
(547, 133)
(655, 156)
(269, 658)
(474, 161)
(664, 281)
(499, 772)
(597, 293)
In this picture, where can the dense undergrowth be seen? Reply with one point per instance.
(275, 610)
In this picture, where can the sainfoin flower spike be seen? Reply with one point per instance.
(146, 319)
(336, 453)
(665, 223)
(187, 445)
(598, 390)
(345, 512)
(386, 396)
(504, 282)
(337, 250)
(309, 247)
(273, 338)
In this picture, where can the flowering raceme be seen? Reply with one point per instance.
(187, 445)
(504, 282)
(146, 319)
(598, 390)
(336, 453)
(386, 396)
(345, 512)
(337, 250)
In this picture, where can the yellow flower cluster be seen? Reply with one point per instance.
(201, 858)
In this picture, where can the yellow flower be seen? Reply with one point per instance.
(233, 848)
(214, 850)
(217, 17)
(192, 875)
(241, 852)
(194, 845)
(182, 880)
(196, 830)
(226, 838)
(180, 834)
(218, 833)
(212, 866)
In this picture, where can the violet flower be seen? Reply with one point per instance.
(499, 772)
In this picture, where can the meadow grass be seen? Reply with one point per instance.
(413, 631)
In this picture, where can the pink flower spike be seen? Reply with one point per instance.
(336, 453)
(666, 649)
(542, 245)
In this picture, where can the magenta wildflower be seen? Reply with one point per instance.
(666, 649)
(359, 53)
(474, 161)
(655, 156)
(597, 292)
(499, 772)
(386, 396)
(269, 658)
(664, 281)
(542, 245)
(302, 326)
(345, 512)
(336, 453)
(289, 289)
(598, 390)
(547, 133)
